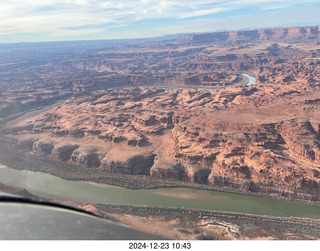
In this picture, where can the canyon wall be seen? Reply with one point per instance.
(177, 109)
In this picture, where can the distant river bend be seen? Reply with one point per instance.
(251, 79)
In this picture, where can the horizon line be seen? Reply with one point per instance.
(161, 36)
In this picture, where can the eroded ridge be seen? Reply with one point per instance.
(221, 137)
(193, 118)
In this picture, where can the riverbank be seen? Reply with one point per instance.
(54, 188)
(27, 161)
(204, 224)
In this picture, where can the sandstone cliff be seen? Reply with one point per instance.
(180, 109)
(196, 136)
(285, 33)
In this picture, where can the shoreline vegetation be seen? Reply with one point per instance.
(189, 223)
(25, 161)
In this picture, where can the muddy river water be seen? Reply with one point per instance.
(52, 187)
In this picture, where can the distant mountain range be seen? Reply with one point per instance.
(311, 32)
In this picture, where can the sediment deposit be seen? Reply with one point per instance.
(184, 224)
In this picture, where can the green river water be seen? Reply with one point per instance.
(52, 187)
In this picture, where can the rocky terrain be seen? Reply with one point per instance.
(283, 33)
(185, 135)
(183, 224)
(178, 108)
(35, 74)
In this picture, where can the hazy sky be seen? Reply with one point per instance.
(53, 20)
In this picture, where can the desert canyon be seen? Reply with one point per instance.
(176, 108)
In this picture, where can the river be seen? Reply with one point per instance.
(251, 79)
(52, 187)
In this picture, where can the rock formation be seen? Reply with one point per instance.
(194, 117)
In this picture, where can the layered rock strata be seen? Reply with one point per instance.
(261, 138)
(198, 136)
